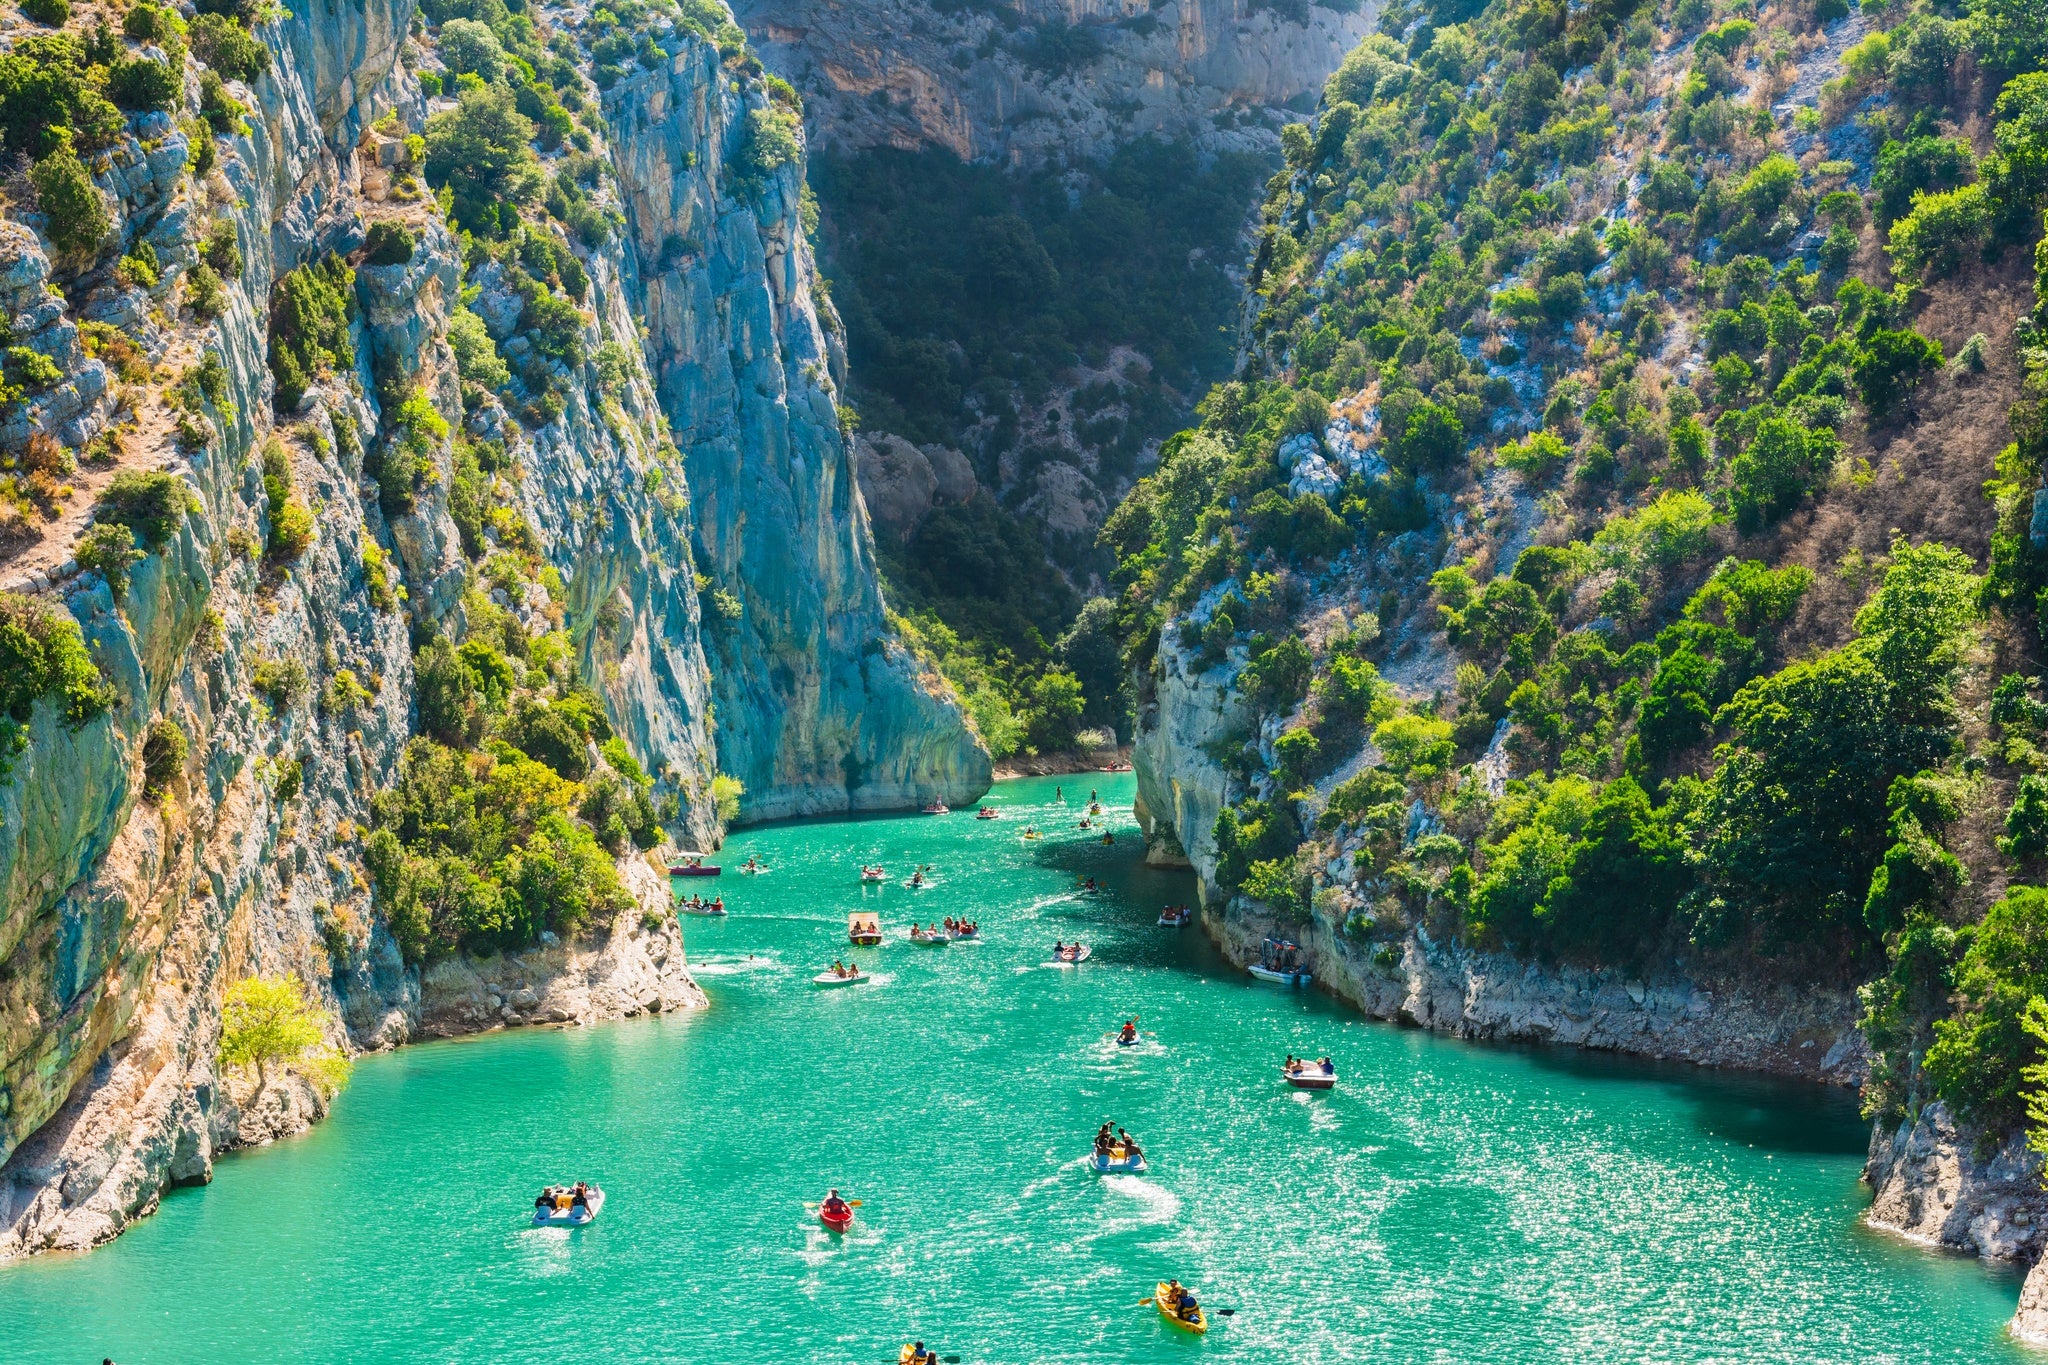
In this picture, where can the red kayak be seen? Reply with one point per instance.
(839, 1222)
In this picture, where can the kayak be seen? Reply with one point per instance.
(571, 1217)
(1080, 955)
(1317, 1079)
(1201, 1319)
(835, 979)
(1109, 1163)
(1126, 1042)
(838, 1223)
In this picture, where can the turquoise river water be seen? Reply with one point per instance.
(1448, 1202)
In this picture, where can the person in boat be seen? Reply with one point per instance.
(1181, 1302)
(545, 1205)
(839, 968)
(1108, 838)
(1129, 1032)
(917, 877)
(1329, 1067)
(836, 1208)
(1103, 1139)
(1129, 1144)
(1290, 1066)
(920, 1356)
(719, 905)
(579, 1201)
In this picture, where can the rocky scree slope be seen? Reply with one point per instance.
(353, 551)
(1604, 606)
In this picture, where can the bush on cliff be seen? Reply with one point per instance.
(42, 654)
(481, 152)
(228, 48)
(150, 503)
(267, 1022)
(310, 310)
(74, 210)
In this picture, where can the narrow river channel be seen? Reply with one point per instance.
(1447, 1202)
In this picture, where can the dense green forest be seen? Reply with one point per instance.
(1636, 274)
(970, 293)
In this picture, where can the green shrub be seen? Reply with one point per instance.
(151, 23)
(481, 152)
(1890, 364)
(52, 13)
(42, 654)
(108, 550)
(73, 207)
(204, 293)
(141, 85)
(223, 248)
(282, 681)
(726, 792)
(228, 48)
(468, 46)
(291, 522)
(310, 310)
(773, 139)
(388, 242)
(222, 112)
(164, 749)
(476, 355)
(150, 503)
(1977, 1056)
(267, 1021)
(2026, 823)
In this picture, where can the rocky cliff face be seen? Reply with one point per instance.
(819, 707)
(1018, 82)
(124, 915)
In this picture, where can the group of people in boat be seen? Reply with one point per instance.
(1108, 1143)
(962, 928)
(872, 874)
(1180, 1301)
(842, 971)
(1300, 1066)
(563, 1199)
(1066, 952)
(714, 906)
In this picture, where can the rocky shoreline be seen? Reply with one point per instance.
(108, 1156)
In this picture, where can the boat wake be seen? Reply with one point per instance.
(735, 966)
(1157, 1204)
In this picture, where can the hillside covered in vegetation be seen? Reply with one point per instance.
(1620, 546)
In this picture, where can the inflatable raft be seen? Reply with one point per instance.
(571, 1217)
(1118, 1161)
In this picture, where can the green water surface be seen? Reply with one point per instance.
(1449, 1202)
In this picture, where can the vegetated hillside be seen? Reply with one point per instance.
(1621, 536)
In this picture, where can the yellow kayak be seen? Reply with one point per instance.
(1162, 1299)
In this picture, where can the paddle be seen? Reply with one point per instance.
(814, 1203)
(1219, 1312)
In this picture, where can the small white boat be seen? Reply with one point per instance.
(1311, 1078)
(1071, 954)
(937, 808)
(709, 909)
(571, 1217)
(835, 979)
(1280, 962)
(873, 874)
(1117, 1161)
(1175, 917)
(988, 813)
(937, 938)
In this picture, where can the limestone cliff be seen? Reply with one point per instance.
(819, 706)
(1023, 81)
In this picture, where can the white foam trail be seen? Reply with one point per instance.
(1161, 1205)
